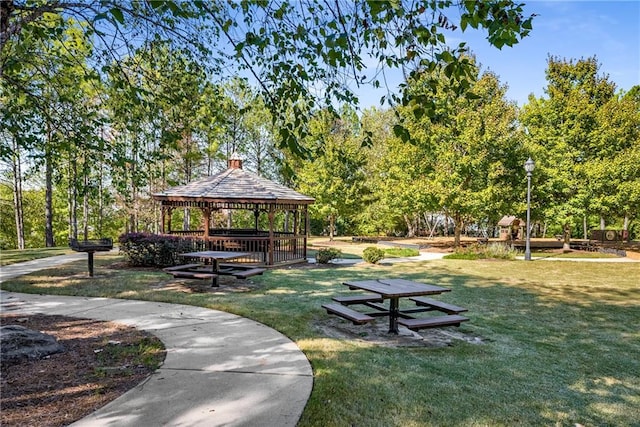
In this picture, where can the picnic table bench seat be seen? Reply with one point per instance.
(181, 267)
(192, 274)
(240, 271)
(345, 312)
(243, 274)
(357, 299)
(432, 322)
(438, 305)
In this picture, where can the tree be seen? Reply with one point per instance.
(335, 176)
(471, 148)
(303, 54)
(395, 178)
(563, 130)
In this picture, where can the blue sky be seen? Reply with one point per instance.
(609, 30)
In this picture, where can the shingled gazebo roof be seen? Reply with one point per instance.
(234, 185)
(507, 220)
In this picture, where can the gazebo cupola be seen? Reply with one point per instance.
(234, 162)
(286, 210)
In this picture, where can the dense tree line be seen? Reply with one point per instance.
(104, 103)
(464, 169)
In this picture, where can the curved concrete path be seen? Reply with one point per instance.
(18, 269)
(220, 369)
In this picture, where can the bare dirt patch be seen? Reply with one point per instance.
(376, 333)
(101, 361)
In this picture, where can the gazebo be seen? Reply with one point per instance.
(278, 234)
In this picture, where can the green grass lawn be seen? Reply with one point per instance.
(561, 340)
(572, 254)
(13, 256)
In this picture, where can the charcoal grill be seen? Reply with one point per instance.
(90, 246)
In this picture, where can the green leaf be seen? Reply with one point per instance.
(117, 14)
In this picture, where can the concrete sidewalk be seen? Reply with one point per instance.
(220, 369)
(14, 270)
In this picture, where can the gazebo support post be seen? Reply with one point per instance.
(169, 215)
(306, 229)
(256, 216)
(295, 231)
(163, 211)
(272, 216)
(206, 219)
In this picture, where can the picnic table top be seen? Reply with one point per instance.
(391, 288)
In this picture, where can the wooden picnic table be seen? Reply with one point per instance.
(394, 289)
(215, 257)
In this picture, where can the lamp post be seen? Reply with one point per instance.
(529, 165)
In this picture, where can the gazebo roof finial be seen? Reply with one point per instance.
(235, 161)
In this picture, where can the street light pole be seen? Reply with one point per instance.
(528, 166)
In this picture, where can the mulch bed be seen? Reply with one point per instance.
(64, 387)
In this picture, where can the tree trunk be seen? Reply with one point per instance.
(585, 232)
(72, 199)
(17, 195)
(411, 228)
(85, 205)
(566, 246)
(602, 223)
(457, 229)
(48, 195)
(133, 213)
(100, 201)
(186, 219)
(332, 225)
(286, 221)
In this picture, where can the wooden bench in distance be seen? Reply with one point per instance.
(432, 322)
(357, 299)
(340, 310)
(438, 305)
(181, 267)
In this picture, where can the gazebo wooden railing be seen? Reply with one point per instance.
(286, 247)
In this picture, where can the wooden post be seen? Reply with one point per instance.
(306, 228)
(206, 219)
(90, 260)
(256, 214)
(272, 216)
(169, 214)
(295, 231)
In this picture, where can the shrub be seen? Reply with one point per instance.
(492, 251)
(401, 252)
(152, 250)
(325, 255)
(498, 251)
(372, 254)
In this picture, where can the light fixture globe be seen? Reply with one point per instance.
(529, 165)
